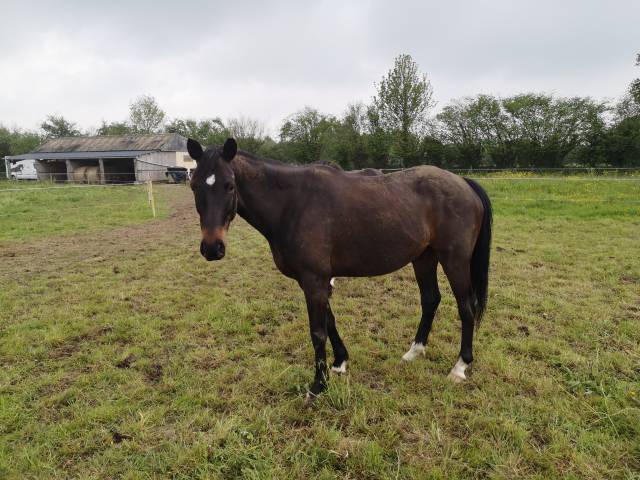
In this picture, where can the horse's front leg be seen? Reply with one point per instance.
(316, 293)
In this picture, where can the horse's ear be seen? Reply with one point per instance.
(194, 149)
(229, 150)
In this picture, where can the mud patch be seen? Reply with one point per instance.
(70, 346)
(153, 373)
(126, 361)
(118, 437)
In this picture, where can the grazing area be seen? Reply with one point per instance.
(37, 210)
(124, 354)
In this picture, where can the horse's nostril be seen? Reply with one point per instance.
(212, 251)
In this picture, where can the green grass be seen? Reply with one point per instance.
(126, 355)
(30, 210)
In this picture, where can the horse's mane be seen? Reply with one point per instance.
(270, 161)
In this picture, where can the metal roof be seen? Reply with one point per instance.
(78, 155)
(107, 143)
(106, 146)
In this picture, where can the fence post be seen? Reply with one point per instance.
(151, 200)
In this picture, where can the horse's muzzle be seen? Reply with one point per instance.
(214, 251)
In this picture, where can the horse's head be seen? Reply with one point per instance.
(214, 189)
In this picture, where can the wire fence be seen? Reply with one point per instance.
(557, 179)
(547, 171)
(169, 174)
(66, 187)
(55, 207)
(551, 169)
(610, 174)
(558, 171)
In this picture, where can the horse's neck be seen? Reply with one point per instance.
(261, 200)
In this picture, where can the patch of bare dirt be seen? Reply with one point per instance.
(49, 254)
(154, 373)
(126, 361)
(118, 437)
(73, 344)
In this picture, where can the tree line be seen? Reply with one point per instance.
(398, 128)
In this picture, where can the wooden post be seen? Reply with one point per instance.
(101, 171)
(70, 176)
(151, 200)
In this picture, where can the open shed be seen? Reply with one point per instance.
(108, 158)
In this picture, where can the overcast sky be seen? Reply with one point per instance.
(89, 60)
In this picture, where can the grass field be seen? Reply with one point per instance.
(124, 354)
(46, 209)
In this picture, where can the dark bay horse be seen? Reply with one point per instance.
(322, 222)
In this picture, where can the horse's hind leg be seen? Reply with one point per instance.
(426, 270)
(340, 353)
(458, 270)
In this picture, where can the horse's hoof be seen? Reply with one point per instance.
(456, 378)
(456, 375)
(414, 352)
(340, 369)
(308, 399)
(316, 389)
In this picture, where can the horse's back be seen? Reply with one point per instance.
(372, 189)
(424, 202)
(374, 224)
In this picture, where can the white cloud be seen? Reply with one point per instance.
(203, 59)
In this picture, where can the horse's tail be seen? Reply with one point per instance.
(481, 252)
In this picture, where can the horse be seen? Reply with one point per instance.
(322, 222)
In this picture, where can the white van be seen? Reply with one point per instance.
(22, 170)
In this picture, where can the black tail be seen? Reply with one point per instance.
(481, 252)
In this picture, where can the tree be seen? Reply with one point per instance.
(401, 106)
(378, 140)
(56, 126)
(16, 142)
(208, 132)
(622, 144)
(349, 147)
(305, 135)
(634, 88)
(523, 130)
(23, 141)
(274, 150)
(629, 105)
(458, 128)
(248, 132)
(114, 128)
(146, 116)
(404, 97)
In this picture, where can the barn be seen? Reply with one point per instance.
(108, 158)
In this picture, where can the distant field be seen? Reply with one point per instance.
(124, 354)
(30, 209)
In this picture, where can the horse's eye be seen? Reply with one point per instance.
(228, 187)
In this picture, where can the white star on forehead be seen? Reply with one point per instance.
(211, 179)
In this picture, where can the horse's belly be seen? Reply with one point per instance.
(371, 267)
(378, 252)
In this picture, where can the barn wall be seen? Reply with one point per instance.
(152, 166)
(51, 170)
(184, 160)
